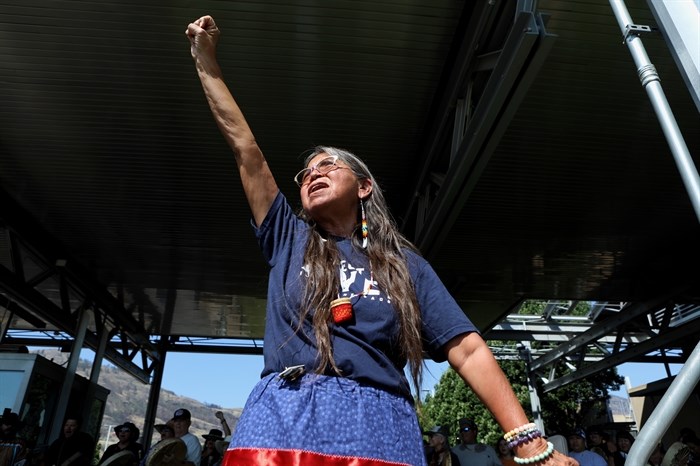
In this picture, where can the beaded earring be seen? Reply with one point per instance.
(341, 308)
(365, 229)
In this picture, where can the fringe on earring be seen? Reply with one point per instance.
(365, 230)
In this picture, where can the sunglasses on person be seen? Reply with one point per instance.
(122, 431)
(323, 167)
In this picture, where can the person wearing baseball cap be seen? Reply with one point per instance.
(182, 420)
(469, 451)
(182, 414)
(439, 453)
(577, 449)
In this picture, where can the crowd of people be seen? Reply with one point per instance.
(74, 447)
(589, 447)
(179, 447)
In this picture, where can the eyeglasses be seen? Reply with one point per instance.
(122, 431)
(466, 429)
(323, 166)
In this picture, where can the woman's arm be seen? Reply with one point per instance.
(469, 355)
(258, 183)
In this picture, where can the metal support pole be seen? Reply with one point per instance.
(97, 363)
(651, 83)
(103, 335)
(5, 321)
(67, 387)
(153, 397)
(667, 409)
(535, 404)
(158, 369)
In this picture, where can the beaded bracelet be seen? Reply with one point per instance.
(518, 430)
(522, 434)
(537, 458)
(529, 435)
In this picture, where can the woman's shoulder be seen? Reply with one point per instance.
(413, 256)
(280, 209)
(417, 264)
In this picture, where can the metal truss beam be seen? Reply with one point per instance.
(170, 344)
(26, 297)
(111, 353)
(552, 333)
(20, 312)
(247, 350)
(54, 288)
(211, 346)
(481, 20)
(656, 331)
(610, 325)
(627, 355)
(475, 138)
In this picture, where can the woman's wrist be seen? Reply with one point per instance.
(531, 448)
(537, 457)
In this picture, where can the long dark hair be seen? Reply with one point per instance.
(386, 252)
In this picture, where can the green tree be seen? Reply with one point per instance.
(579, 403)
(562, 409)
(453, 400)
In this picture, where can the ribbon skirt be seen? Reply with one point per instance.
(320, 420)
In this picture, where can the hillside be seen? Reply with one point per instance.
(128, 399)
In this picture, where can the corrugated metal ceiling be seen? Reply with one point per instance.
(106, 140)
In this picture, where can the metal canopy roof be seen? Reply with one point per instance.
(515, 146)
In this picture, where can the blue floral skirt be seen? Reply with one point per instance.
(320, 420)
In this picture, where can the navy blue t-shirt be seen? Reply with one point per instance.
(366, 349)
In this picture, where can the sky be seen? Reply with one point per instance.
(226, 380)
